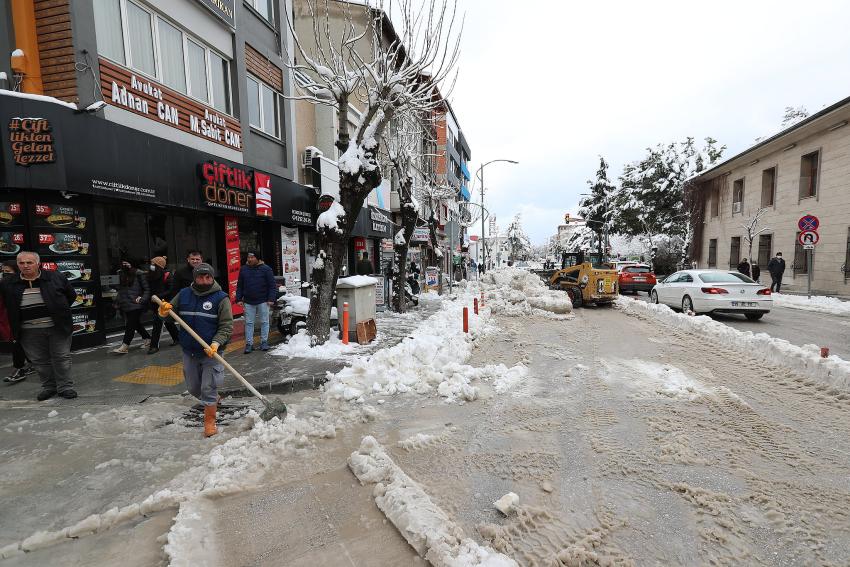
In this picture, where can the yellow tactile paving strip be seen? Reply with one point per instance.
(169, 375)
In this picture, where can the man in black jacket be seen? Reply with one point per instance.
(776, 267)
(182, 276)
(39, 306)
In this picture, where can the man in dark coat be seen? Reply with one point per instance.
(744, 267)
(38, 303)
(364, 266)
(182, 276)
(256, 292)
(776, 267)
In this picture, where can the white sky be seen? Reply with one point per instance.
(554, 84)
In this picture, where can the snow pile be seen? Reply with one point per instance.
(429, 361)
(818, 303)
(804, 360)
(507, 503)
(331, 218)
(657, 379)
(428, 529)
(357, 281)
(299, 345)
(191, 541)
(41, 98)
(515, 292)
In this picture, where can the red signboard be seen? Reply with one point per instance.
(359, 244)
(231, 250)
(263, 195)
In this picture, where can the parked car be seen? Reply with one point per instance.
(636, 277)
(713, 291)
(620, 264)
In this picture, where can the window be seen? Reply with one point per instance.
(263, 7)
(738, 196)
(264, 107)
(107, 25)
(715, 203)
(712, 253)
(765, 249)
(140, 33)
(735, 252)
(809, 175)
(715, 277)
(768, 187)
(149, 44)
(173, 67)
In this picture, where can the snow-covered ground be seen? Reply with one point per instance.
(818, 303)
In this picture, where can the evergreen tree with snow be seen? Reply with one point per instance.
(596, 207)
(519, 245)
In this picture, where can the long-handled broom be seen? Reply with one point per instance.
(273, 408)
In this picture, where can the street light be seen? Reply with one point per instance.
(481, 178)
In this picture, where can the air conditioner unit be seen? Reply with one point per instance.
(737, 207)
(310, 152)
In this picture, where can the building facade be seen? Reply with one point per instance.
(142, 128)
(803, 170)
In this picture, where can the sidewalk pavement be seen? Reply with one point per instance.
(104, 378)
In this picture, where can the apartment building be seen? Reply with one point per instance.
(802, 170)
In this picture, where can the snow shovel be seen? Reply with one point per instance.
(273, 408)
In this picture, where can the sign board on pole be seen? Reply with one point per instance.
(808, 246)
(808, 223)
(808, 237)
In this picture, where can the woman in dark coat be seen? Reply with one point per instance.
(159, 281)
(134, 293)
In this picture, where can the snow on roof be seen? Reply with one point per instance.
(40, 98)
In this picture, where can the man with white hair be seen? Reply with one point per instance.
(39, 306)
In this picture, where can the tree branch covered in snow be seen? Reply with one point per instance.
(519, 245)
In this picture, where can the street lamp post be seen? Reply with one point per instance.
(481, 172)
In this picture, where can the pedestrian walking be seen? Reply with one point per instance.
(744, 267)
(22, 365)
(134, 293)
(364, 266)
(256, 292)
(206, 309)
(38, 304)
(756, 272)
(776, 267)
(159, 281)
(182, 276)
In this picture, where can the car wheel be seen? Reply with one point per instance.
(687, 305)
(753, 316)
(653, 297)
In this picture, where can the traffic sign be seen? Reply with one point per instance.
(809, 237)
(808, 246)
(808, 223)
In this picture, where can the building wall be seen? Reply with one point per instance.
(831, 205)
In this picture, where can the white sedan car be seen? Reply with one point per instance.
(713, 291)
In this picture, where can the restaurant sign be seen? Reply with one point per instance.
(224, 9)
(236, 189)
(31, 140)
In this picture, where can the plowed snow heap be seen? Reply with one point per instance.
(515, 292)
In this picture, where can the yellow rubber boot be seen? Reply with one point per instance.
(209, 420)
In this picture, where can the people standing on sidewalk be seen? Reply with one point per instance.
(159, 281)
(133, 296)
(182, 276)
(256, 291)
(364, 266)
(776, 267)
(744, 267)
(22, 365)
(756, 272)
(38, 303)
(206, 310)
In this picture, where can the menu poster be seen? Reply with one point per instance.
(10, 243)
(11, 213)
(84, 322)
(59, 216)
(75, 270)
(85, 298)
(231, 252)
(291, 259)
(59, 243)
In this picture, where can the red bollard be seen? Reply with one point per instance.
(345, 323)
(466, 319)
(824, 352)
(475, 305)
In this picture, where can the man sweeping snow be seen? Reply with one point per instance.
(206, 309)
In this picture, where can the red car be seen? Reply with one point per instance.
(635, 278)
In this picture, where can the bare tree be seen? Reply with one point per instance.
(752, 228)
(356, 58)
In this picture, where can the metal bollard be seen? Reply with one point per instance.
(345, 323)
(466, 319)
(824, 352)
(475, 305)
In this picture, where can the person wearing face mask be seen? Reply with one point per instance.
(20, 362)
(159, 281)
(133, 296)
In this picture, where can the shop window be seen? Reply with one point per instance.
(809, 175)
(768, 187)
(264, 8)
(765, 249)
(735, 252)
(712, 253)
(738, 196)
(107, 24)
(264, 107)
(173, 66)
(140, 32)
(197, 60)
(249, 237)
